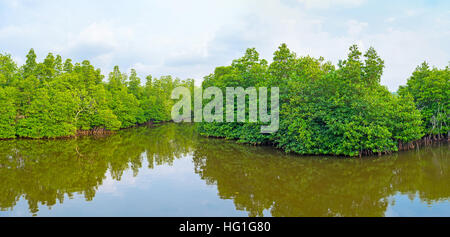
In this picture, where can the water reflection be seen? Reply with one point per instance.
(44, 171)
(258, 180)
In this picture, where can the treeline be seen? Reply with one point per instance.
(324, 108)
(60, 99)
(430, 89)
(337, 110)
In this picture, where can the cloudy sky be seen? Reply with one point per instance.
(188, 39)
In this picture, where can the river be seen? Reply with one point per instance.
(169, 170)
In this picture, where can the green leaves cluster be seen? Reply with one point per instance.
(324, 109)
(57, 99)
(430, 89)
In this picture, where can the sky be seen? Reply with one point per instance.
(188, 39)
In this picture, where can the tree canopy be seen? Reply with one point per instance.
(54, 99)
(328, 109)
(430, 88)
(324, 108)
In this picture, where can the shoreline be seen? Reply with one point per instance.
(427, 140)
(92, 132)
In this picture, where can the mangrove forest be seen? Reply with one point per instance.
(325, 109)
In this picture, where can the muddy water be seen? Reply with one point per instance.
(171, 171)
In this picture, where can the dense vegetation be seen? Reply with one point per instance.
(59, 99)
(430, 89)
(340, 110)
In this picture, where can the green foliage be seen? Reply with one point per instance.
(55, 99)
(430, 89)
(323, 109)
(155, 98)
(245, 72)
(7, 113)
(7, 97)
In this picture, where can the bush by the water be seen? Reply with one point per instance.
(59, 99)
(324, 109)
(338, 110)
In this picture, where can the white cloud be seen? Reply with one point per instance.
(99, 41)
(390, 19)
(330, 3)
(10, 31)
(13, 3)
(356, 27)
(403, 50)
(96, 33)
(411, 12)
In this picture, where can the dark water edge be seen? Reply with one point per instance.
(169, 170)
(427, 140)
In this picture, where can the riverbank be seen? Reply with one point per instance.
(427, 140)
(92, 132)
(170, 170)
(101, 132)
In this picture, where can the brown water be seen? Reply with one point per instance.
(170, 171)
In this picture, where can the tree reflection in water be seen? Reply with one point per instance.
(261, 178)
(43, 171)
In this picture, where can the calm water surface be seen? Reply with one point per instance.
(170, 171)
